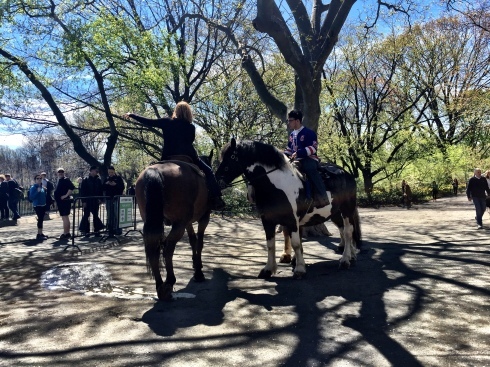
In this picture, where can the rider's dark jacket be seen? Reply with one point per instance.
(178, 135)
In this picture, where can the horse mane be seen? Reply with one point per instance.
(256, 151)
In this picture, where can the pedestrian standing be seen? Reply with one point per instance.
(49, 194)
(62, 195)
(113, 186)
(91, 192)
(476, 191)
(407, 195)
(132, 190)
(14, 191)
(435, 190)
(4, 195)
(455, 186)
(37, 195)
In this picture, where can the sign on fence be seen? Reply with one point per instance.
(126, 212)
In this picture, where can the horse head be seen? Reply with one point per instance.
(229, 167)
(208, 159)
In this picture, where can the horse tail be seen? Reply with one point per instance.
(153, 227)
(346, 192)
(357, 235)
(351, 197)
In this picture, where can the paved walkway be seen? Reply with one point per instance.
(417, 296)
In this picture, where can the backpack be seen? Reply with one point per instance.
(19, 193)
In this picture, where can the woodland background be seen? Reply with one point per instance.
(396, 90)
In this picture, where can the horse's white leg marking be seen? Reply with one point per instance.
(300, 268)
(342, 240)
(348, 248)
(271, 256)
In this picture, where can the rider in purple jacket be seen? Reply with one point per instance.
(302, 146)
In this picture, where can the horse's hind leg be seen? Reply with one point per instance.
(165, 290)
(286, 255)
(349, 249)
(339, 223)
(152, 250)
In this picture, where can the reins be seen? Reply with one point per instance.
(255, 178)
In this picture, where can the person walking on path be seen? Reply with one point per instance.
(435, 190)
(90, 188)
(37, 195)
(4, 195)
(476, 191)
(62, 196)
(455, 186)
(179, 134)
(13, 199)
(113, 186)
(49, 194)
(407, 195)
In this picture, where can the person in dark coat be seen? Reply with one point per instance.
(455, 186)
(62, 196)
(113, 186)
(13, 199)
(178, 135)
(476, 191)
(91, 186)
(4, 195)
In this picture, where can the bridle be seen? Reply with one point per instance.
(234, 156)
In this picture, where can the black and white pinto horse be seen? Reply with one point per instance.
(280, 197)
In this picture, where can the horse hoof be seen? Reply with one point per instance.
(285, 259)
(199, 277)
(298, 275)
(265, 274)
(344, 265)
(164, 292)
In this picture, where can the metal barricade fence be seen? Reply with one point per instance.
(112, 215)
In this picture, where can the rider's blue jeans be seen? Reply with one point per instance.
(213, 186)
(310, 167)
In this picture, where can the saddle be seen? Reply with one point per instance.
(330, 174)
(179, 159)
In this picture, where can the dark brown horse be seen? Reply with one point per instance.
(174, 193)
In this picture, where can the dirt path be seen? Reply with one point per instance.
(418, 296)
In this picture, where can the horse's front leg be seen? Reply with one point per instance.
(271, 266)
(349, 252)
(197, 249)
(300, 267)
(165, 290)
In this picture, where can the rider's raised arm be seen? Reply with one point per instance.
(148, 122)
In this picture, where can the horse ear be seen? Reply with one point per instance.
(233, 143)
